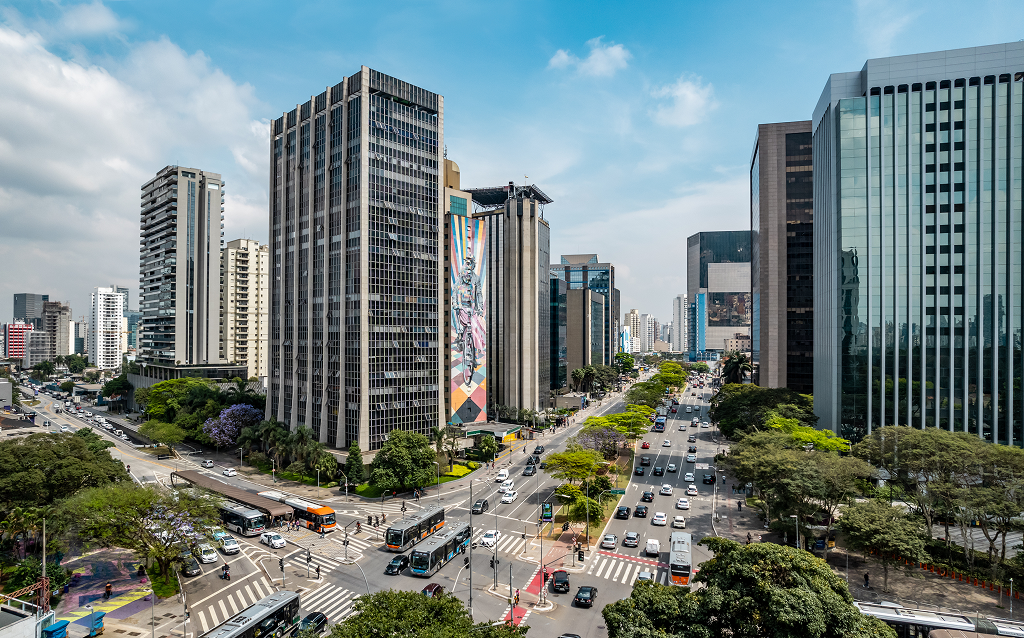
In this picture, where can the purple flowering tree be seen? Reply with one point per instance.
(224, 429)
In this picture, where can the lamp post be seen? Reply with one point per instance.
(318, 483)
(346, 483)
(438, 483)
(273, 469)
(239, 459)
(796, 528)
(1011, 597)
(152, 613)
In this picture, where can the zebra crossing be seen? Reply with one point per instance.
(624, 570)
(241, 596)
(297, 559)
(509, 543)
(330, 600)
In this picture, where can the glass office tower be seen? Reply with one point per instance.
(918, 229)
(588, 272)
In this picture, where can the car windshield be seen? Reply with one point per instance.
(275, 537)
(489, 535)
(584, 593)
(397, 561)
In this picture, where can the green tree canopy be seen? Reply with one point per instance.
(67, 386)
(75, 363)
(488, 446)
(166, 433)
(45, 468)
(743, 408)
(575, 464)
(700, 367)
(93, 441)
(624, 362)
(649, 393)
(406, 460)
(634, 422)
(167, 398)
(887, 531)
(354, 464)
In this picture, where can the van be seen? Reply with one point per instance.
(653, 547)
(118, 433)
(507, 486)
(502, 476)
(689, 409)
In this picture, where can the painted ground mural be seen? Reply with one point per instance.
(469, 320)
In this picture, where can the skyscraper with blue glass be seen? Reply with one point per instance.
(917, 244)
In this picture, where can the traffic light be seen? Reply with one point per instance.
(309, 558)
(369, 520)
(465, 561)
(492, 563)
(376, 521)
(280, 561)
(580, 555)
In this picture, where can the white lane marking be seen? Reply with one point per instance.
(625, 577)
(223, 607)
(202, 621)
(234, 607)
(617, 572)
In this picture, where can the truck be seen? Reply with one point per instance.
(662, 411)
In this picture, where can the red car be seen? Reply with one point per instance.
(674, 410)
(645, 445)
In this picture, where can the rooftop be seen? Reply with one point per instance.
(496, 196)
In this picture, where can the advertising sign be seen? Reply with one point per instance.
(546, 513)
(468, 320)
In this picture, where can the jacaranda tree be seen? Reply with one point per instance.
(224, 429)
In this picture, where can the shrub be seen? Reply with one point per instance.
(458, 471)
(472, 465)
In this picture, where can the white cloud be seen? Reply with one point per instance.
(77, 140)
(603, 61)
(880, 22)
(689, 102)
(90, 20)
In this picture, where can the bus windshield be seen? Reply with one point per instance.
(420, 560)
(257, 522)
(680, 570)
(327, 519)
(394, 537)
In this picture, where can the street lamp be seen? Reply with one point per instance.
(152, 613)
(438, 483)
(346, 483)
(318, 483)
(796, 527)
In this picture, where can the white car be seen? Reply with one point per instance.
(273, 539)
(682, 428)
(510, 496)
(666, 490)
(123, 437)
(507, 486)
(683, 504)
(705, 425)
(679, 521)
(230, 546)
(691, 458)
(659, 519)
(230, 472)
(206, 554)
(691, 490)
(688, 477)
(207, 463)
(490, 538)
(667, 443)
(65, 428)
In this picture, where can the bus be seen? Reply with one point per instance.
(440, 548)
(312, 515)
(679, 548)
(275, 615)
(659, 424)
(241, 519)
(917, 623)
(406, 532)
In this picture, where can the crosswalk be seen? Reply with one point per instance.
(509, 543)
(623, 569)
(246, 593)
(332, 601)
(297, 559)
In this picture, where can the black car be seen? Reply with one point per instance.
(585, 596)
(481, 506)
(622, 512)
(543, 464)
(397, 565)
(533, 460)
(692, 438)
(658, 471)
(647, 497)
(560, 581)
(315, 622)
(189, 566)
(645, 460)
(691, 449)
(640, 511)
(539, 449)
(530, 470)
(709, 479)
(639, 471)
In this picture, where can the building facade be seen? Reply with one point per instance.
(718, 280)
(634, 325)
(917, 244)
(585, 323)
(587, 271)
(81, 335)
(559, 349)
(782, 257)
(106, 327)
(57, 324)
(14, 338)
(182, 220)
(37, 347)
(680, 322)
(245, 305)
(28, 307)
(356, 315)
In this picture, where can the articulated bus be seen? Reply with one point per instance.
(679, 548)
(241, 519)
(920, 623)
(275, 615)
(410, 530)
(440, 548)
(314, 516)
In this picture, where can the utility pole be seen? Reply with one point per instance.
(471, 548)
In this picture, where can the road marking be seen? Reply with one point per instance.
(662, 577)
(249, 591)
(636, 572)
(223, 608)
(617, 571)
(202, 621)
(594, 564)
(607, 563)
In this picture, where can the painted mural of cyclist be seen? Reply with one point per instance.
(469, 313)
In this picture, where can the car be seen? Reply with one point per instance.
(645, 460)
(659, 519)
(667, 443)
(610, 541)
(688, 477)
(639, 471)
(207, 463)
(490, 538)
(645, 575)
(397, 565)
(671, 467)
(273, 539)
(315, 622)
(622, 512)
(560, 581)
(705, 424)
(543, 464)
(683, 504)
(218, 535)
(190, 566)
(230, 546)
(65, 428)
(230, 472)
(585, 596)
(658, 471)
(640, 511)
(645, 445)
(647, 497)
(46, 423)
(507, 486)
(691, 458)
(481, 506)
(632, 539)
(502, 476)
(529, 470)
(666, 490)
(206, 554)
(539, 449)
(693, 394)
(691, 490)
(510, 496)
(682, 427)
(709, 479)
(692, 438)
(674, 410)
(433, 590)
(123, 437)
(692, 449)
(693, 424)
(679, 522)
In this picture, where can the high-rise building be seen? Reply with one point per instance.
(132, 319)
(245, 305)
(81, 332)
(585, 321)
(917, 244)
(57, 324)
(718, 283)
(356, 318)
(106, 325)
(634, 323)
(14, 338)
(782, 257)
(179, 286)
(559, 327)
(29, 308)
(586, 271)
(37, 348)
(124, 291)
(680, 321)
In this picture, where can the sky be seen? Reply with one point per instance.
(637, 119)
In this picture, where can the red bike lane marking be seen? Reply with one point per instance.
(516, 616)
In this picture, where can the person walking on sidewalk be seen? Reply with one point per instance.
(318, 572)
(108, 590)
(867, 581)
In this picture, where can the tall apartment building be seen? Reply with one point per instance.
(782, 257)
(587, 271)
(57, 324)
(81, 338)
(585, 321)
(680, 323)
(633, 321)
(37, 348)
(14, 338)
(718, 285)
(245, 305)
(29, 308)
(648, 332)
(182, 217)
(106, 325)
(917, 243)
(356, 299)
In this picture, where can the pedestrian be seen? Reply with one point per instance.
(108, 590)
(749, 538)
(867, 581)
(322, 531)
(318, 572)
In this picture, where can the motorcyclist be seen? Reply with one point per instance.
(226, 571)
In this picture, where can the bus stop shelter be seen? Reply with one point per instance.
(272, 509)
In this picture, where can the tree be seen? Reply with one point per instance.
(437, 435)
(575, 464)
(762, 590)
(226, 428)
(579, 507)
(410, 614)
(168, 398)
(43, 370)
(141, 396)
(488, 446)
(67, 386)
(117, 389)
(887, 531)
(161, 432)
(46, 468)
(600, 435)
(406, 460)
(93, 441)
(736, 367)
(743, 408)
(649, 393)
(145, 519)
(624, 362)
(578, 376)
(634, 422)
(700, 368)
(75, 363)
(354, 464)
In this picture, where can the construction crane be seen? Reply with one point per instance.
(43, 585)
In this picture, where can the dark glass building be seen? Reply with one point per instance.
(586, 271)
(718, 288)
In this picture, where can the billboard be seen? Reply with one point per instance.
(468, 320)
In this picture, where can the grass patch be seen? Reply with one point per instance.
(367, 490)
(162, 589)
(154, 451)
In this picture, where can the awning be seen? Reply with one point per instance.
(237, 494)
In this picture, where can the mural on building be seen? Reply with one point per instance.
(468, 320)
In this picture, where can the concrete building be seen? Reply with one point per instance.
(917, 241)
(14, 338)
(587, 271)
(81, 335)
(518, 241)
(245, 305)
(782, 257)
(106, 328)
(739, 343)
(57, 324)
(648, 332)
(584, 333)
(28, 307)
(357, 314)
(634, 323)
(559, 348)
(182, 216)
(680, 323)
(718, 283)
(37, 348)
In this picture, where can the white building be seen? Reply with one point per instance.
(648, 332)
(680, 322)
(633, 323)
(107, 328)
(245, 304)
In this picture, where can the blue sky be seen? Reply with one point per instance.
(636, 118)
